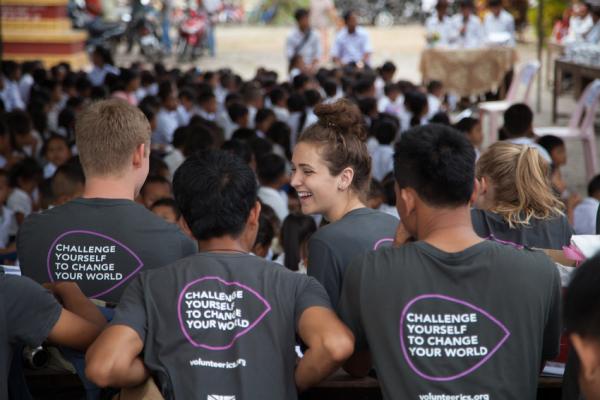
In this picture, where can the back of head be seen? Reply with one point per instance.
(341, 134)
(520, 178)
(518, 120)
(582, 301)
(466, 124)
(68, 182)
(593, 188)
(438, 163)
(300, 13)
(296, 230)
(550, 142)
(107, 133)
(215, 191)
(270, 168)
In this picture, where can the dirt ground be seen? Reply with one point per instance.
(245, 48)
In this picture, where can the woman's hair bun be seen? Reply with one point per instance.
(343, 117)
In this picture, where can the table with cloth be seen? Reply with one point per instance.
(468, 72)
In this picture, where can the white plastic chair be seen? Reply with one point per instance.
(493, 109)
(581, 126)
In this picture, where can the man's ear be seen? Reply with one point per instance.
(138, 155)
(479, 188)
(254, 214)
(345, 179)
(588, 351)
(409, 200)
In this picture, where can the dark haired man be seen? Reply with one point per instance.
(499, 25)
(449, 315)
(352, 44)
(518, 128)
(582, 321)
(220, 324)
(303, 41)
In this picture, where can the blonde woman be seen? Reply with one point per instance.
(515, 202)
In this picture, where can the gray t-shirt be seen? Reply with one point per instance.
(334, 246)
(28, 312)
(474, 324)
(98, 243)
(220, 325)
(542, 234)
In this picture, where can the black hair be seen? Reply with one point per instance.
(157, 165)
(82, 84)
(367, 105)
(295, 231)
(416, 102)
(440, 117)
(300, 13)
(313, 97)
(330, 87)
(594, 186)
(517, 120)
(179, 136)
(270, 168)
(260, 147)
(197, 138)
(582, 300)
(384, 129)
(246, 134)
(27, 169)
(362, 86)
(54, 137)
(215, 192)
(148, 111)
(9, 68)
(494, 3)
(276, 95)
(280, 133)
(466, 124)
(387, 66)
(98, 93)
(167, 202)
(434, 85)
(165, 89)
(391, 87)
(347, 14)
(104, 54)
(438, 162)
(300, 81)
(389, 193)
(18, 122)
(239, 148)
(550, 142)
(205, 96)
(266, 231)
(237, 111)
(154, 179)
(263, 114)
(187, 93)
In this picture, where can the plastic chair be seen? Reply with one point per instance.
(493, 109)
(581, 126)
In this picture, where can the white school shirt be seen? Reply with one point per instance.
(500, 30)
(434, 105)
(578, 27)
(311, 49)
(6, 220)
(531, 143)
(166, 123)
(97, 75)
(474, 34)
(351, 47)
(382, 162)
(445, 29)
(584, 216)
(276, 199)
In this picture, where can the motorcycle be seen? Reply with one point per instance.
(100, 31)
(143, 30)
(192, 35)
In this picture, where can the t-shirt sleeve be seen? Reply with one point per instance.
(310, 294)
(323, 267)
(349, 306)
(552, 330)
(131, 310)
(31, 311)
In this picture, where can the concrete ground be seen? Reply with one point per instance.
(245, 48)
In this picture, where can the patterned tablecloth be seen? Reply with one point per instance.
(468, 71)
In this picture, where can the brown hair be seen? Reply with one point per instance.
(107, 133)
(521, 180)
(341, 133)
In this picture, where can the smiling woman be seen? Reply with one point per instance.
(330, 171)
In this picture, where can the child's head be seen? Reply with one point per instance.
(238, 113)
(385, 129)
(208, 101)
(186, 98)
(416, 103)
(155, 188)
(435, 88)
(265, 117)
(375, 196)
(57, 150)
(26, 175)
(271, 170)
(20, 128)
(266, 232)
(518, 121)
(471, 127)
(68, 182)
(330, 88)
(167, 209)
(593, 188)
(392, 91)
(555, 146)
(387, 71)
(295, 233)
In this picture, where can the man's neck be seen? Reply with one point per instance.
(108, 188)
(449, 230)
(224, 244)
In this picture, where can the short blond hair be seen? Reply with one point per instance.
(107, 133)
(521, 179)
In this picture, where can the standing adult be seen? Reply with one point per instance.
(352, 44)
(449, 315)
(103, 239)
(499, 25)
(331, 169)
(468, 25)
(439, 26)
(303, 41)
(323, 15)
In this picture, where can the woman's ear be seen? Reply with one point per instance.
(345, 179)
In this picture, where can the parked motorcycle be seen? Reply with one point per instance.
(143, 31)
(192, 35)
(100, 31)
